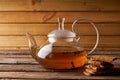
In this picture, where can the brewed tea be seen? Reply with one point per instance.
(64, 60)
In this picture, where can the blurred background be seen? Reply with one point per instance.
(39, 17)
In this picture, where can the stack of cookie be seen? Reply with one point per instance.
(99, 65)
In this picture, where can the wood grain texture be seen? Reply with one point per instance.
(77, 5)
(43, 29)
(49, 75)
(23, 68)
(41, 17)
(17, 5)
(26, 68)
(20, 42)
(62, 5)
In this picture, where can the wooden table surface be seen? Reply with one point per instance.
(20, 65)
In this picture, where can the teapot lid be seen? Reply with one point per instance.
(61, 33)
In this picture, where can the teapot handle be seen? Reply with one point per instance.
(91, 22)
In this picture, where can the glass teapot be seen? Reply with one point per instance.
(62, 49)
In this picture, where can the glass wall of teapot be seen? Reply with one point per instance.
(62, 49)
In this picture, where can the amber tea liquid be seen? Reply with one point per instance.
(64, 60)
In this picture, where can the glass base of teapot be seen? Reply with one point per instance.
(56, 60)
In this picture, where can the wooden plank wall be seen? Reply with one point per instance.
(39, 17)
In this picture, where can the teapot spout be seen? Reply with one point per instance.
(32, 45)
